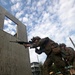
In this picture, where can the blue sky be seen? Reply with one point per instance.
(45, 18)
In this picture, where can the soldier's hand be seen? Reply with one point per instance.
(26, 45)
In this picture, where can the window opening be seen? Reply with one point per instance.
(9, 26)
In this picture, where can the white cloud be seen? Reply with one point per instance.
(28, 2)
(18, 14)
(9, 26)
(25, 19)
(40, 3)
(16, 7)
(65, 10)
(13, 1)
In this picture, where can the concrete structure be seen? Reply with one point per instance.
(35, 68)
(14, 58)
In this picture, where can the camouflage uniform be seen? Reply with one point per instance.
(51, 49)
(67, 53)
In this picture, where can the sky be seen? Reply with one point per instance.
(45, 18)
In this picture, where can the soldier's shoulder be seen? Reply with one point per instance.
(46, 37)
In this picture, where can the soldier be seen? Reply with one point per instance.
(52, 50)
(67, 53)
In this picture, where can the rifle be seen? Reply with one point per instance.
(21, 42)
(72, 42)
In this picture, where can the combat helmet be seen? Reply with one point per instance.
(62, 45)
(35, 38)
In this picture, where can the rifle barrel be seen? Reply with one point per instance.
(20, 42)
(72, 42)
(13, 41)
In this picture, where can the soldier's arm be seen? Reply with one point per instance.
(40, 42)
(37, 44)
(27, 45)
(38, 51)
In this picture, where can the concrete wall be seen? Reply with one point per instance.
(14, 58)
